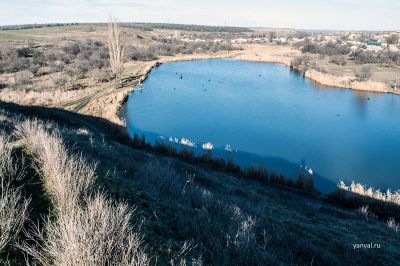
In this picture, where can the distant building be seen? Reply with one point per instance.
(374, 43)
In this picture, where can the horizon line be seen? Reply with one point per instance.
(208, 25)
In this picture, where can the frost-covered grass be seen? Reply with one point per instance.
(363, 190)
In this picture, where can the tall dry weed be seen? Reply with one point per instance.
(89, 228)
(13, 206)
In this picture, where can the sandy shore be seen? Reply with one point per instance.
(285, 54)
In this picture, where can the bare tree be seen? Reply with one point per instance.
(395, 84)
(364, 73)
(272, 35)
(392, 39)
(338, 60)
(115, 49)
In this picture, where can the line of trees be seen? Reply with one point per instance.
(185, 27)
(369, 57)
(35, 26)
(329, 48)
(175, 47)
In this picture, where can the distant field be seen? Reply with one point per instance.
(136, 25)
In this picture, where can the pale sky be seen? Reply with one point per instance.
(304, 14)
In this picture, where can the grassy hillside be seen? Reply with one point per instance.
(188, 213)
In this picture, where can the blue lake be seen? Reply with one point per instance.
(272, 116)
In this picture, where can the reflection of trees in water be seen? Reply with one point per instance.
(361, 102)
(296, 73)
(393, 104)
(362, 98)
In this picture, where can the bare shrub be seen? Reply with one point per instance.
(392, 39)
(25, 52)
(95, 234)
(77, 70)
(45, 71)
(364, 73)
(241, 237)
(38, 58)
(338, 60)
(72, 49)
(23, 77)
(85, 53)
(17, 64)
(51, 57)
(395, 84)
(301, 63)
(59, 66)
(83, 66)
(89, 228)
(391, 223)
(134, 53)
(97, 61)
(99, 75)
(60, 81)
(364, 211)
(13, 206)
(98, 43)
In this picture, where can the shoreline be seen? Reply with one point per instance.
(103, 100)
(324, 79)
(319, 78)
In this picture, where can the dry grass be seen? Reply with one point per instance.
(68, 179)
(89, 228)
(96, 234)
(13, 206)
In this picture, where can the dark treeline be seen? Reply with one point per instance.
(360, 56)
(305, 184)
(329, 48)
(351, 200)
(35, 26)
(141, 26)
(185, 27)
(175, 47)
(257, 173)
(369, 57)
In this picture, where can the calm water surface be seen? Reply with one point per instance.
(271, 115)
